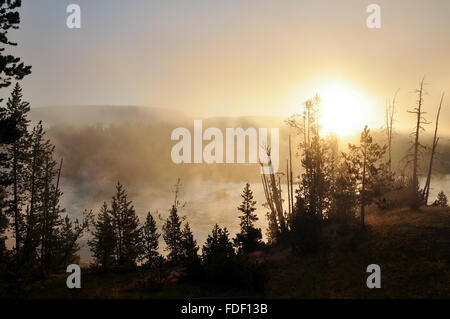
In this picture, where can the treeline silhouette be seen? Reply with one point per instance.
(336, 188)
(121, 243)
(45, 238)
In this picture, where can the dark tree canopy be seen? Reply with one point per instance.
(10, 66)
(441, 200)
(103, 242)
(189, 247)
(126, 228)
(218, 247)
(249, 239)
(172, 235)
(150, 239)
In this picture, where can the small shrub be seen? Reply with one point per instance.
(441, 200)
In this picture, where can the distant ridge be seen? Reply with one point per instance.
(104, 114)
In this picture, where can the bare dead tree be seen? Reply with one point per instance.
(291, 184)
(390, 112)
(288, 183)
(419, 113)
(426, 190)
(272, 191)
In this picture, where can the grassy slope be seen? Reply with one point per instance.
(412, 249)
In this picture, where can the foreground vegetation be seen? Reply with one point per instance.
(411, 248)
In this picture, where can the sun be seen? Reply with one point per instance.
(343, 109)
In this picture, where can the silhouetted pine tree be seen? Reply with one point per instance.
(54, 229)
(249, 238)
(126, 229)
(103, 242)
(28, 172)
(364, 164)
(40, 151)
(189, 247)
(344, 196)
(150, 240)
(10, 66)
(17, 155)
(313, 197)
(314, 188)
(70, 232)
(172, 235)
(218, 248)
(441, 200)
(314, 194)
(219, 258)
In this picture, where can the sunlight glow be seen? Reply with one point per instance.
(343, 110)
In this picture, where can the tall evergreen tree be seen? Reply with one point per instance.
(313, 196)
(17, 155)
(344, 196)
(316, 181)
(172, 235)
(126, 228)
(218, 248)
(10, 68)
(150, 239)
(364, 163)
(247, 208)
(441, 200)
(103, 242)
(53, 228)
(70, 232)
(40, 153)
(249, 238)
(189, 247)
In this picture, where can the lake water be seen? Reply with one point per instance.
(206, 203)
(438, 183)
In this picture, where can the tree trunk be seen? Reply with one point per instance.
(16, 204)
(288, 183)
(415, 181)
(290, 175)
(426, 190)
(363, 188)
(390, 111)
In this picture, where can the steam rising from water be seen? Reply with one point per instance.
(206, 203)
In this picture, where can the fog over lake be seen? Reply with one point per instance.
(133, 145)
(206, 203)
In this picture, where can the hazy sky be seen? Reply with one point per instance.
(232, 57)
